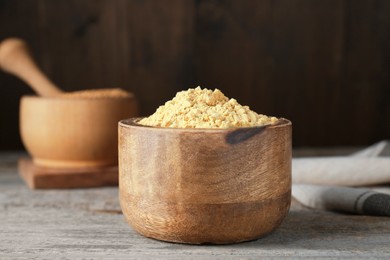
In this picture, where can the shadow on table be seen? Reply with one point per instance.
(319, 230)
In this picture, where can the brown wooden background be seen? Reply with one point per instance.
(324, 64)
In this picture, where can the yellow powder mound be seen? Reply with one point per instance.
(98, 93)
(204, 108)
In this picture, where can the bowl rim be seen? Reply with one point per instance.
(132, 123)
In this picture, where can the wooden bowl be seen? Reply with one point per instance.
(203, 186)
(73, 132)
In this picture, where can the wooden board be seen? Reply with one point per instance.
(38, 177)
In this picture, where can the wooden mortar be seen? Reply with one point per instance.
(64, 131)
(73, 132)
(203, 186)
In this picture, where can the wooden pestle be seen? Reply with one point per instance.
(15, 59)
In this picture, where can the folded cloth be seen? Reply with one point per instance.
(320, 182)
(366, 167)
(352, 200)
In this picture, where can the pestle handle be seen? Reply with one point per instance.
(16, 59)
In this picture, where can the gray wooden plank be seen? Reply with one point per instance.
(86, 223)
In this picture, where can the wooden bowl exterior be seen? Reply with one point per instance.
(204, 186)
(73, 132)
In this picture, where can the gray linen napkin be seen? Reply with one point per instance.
(325, 182)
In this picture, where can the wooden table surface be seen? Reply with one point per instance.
(87, 223)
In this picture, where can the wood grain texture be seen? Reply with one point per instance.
(205, 186)
(86, 223)
(367, 77)
(25, 22)
(160, 39)
(39, 177)
(282, 58)
(322, 62)
(79, 43)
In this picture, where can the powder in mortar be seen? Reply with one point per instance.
(97, 93)
(204, 108)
